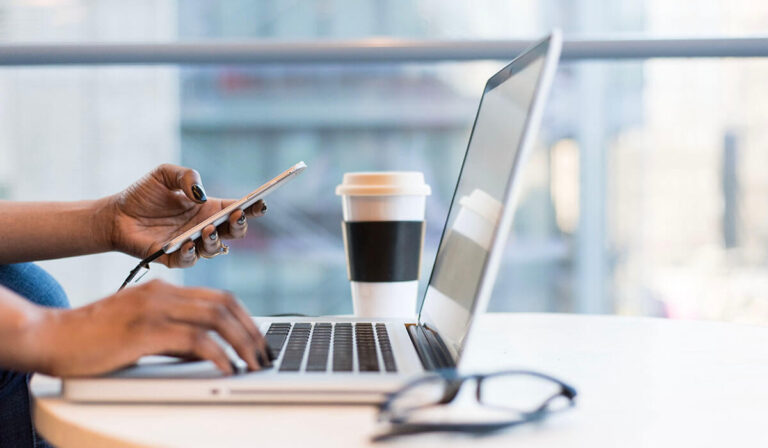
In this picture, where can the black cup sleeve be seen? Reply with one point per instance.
(383, 251)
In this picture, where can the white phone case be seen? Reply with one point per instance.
(248, 200)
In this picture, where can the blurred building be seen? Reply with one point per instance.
(241, 125)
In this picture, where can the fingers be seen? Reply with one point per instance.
(185, 257)
(188, 340)
(242, 315)
(176, 177)
(256, 210)
(238, 226)
(220, 311)
(210, 242)
(218, 317)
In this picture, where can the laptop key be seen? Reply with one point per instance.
(294, 349)
(386, 348)
(366, 348)
(276, 336)
(342, 347)
(317, 360)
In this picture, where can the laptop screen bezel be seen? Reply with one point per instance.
(547, 49)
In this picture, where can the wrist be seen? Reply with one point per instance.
(39, 339)
(103, 223)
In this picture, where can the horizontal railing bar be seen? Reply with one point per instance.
(366, 51)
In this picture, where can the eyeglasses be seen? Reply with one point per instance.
(502, 400)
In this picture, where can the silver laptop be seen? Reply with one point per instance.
(338, 359)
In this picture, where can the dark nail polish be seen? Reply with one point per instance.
(271, 354)
(199, 193)
(213, 236)
(264, 208)
(241, 219)
(260, 358)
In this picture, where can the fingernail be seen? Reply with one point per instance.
(264, 361)
(271, 354)
(191, 250)
(214, 235)
(241, 219)
(264, 208)
(199, 193)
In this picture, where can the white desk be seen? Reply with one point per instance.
(641, 382)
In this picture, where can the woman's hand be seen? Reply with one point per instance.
(163, 204)
(149, 319)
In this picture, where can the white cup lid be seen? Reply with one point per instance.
(384, 183)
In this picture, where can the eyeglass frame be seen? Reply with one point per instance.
(453, 382)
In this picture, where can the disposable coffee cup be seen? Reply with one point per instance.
(383, 231)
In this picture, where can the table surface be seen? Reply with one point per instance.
(641, 382)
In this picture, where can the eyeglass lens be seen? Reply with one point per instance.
(504, 396)
(521, 393)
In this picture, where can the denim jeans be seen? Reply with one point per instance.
(36, 285)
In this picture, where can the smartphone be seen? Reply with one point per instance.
(248, 200)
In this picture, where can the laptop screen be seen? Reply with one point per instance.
(481, 195)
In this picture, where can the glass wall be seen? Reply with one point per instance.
(645, 194)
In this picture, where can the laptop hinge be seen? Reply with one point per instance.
(430, 347)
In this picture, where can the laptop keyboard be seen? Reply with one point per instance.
(322, 347)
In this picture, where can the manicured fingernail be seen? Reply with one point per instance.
(264, 208)
(214, 235)
(241, 219)
(191, 250)
(264, 361)
(271, 354)
(199, 193)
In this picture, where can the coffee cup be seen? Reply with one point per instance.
(383, 230)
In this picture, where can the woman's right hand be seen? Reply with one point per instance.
(149, 319)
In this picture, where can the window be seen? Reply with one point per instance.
(645, 195)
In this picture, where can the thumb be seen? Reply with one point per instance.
(176, 177)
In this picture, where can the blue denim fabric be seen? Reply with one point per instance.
(33, 283)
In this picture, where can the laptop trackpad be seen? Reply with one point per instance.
(168, 367)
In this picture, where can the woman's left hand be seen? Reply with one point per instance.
(164, 203)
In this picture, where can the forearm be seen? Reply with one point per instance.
(31, 231)
(19, 350)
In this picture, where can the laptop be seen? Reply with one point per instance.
(346, 359)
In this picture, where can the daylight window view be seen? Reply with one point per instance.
(645, 194)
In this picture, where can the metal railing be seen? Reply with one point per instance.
(366, 51)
